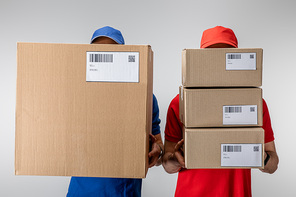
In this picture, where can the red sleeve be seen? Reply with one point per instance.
(173, 127)
(269, 137)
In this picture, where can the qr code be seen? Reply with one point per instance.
(252, 56)
(252, 109)
(256, 148)
(131, 58)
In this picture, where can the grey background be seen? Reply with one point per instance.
(169, 27)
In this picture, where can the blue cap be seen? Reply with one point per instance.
(109, 32)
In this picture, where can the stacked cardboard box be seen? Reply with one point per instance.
(221, 108)
(83, 110)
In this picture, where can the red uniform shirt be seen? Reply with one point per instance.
(211, 182)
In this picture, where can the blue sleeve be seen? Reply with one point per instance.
(155, 117)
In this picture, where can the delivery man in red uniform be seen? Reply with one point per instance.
(212, 182)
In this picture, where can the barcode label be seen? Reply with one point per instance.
(232, 148)
(240, 115)
(131, 58)
(256, 148)
(101, 58)
(233, 109)
(112, 66)
(241, 61)
(234, 56)
(247, 155)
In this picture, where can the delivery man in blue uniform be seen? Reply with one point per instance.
(123, 187)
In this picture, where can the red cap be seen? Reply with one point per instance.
(217, 35)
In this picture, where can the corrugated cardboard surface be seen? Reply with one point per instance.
(203, 145)
(66, 126)
(204, 107)
(207, 68)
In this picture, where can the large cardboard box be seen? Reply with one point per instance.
(224, 67)
(223, 147)
(83, 110)
(221, 107)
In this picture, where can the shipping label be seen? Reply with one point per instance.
(112, 67)
(240, 61)
(240, 115)
(241, 155)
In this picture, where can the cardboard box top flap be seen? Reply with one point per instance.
(108, 47)
(81, 44)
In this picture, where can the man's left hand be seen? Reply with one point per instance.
(272, 164)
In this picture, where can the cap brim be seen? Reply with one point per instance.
(216, 42)
(104, 36)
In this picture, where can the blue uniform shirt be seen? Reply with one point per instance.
(114, 187)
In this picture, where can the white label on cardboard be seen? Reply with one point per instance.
(241, 155)
(112, 66)
(240, 115)
(240, 61)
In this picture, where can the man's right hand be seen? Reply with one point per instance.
(173, 159)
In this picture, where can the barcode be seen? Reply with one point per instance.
(131, 58)
(252, 109)
(100, 57)
(232, 148)
(256, 148)
(234, 56)
(252, 56)
(233, 109)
